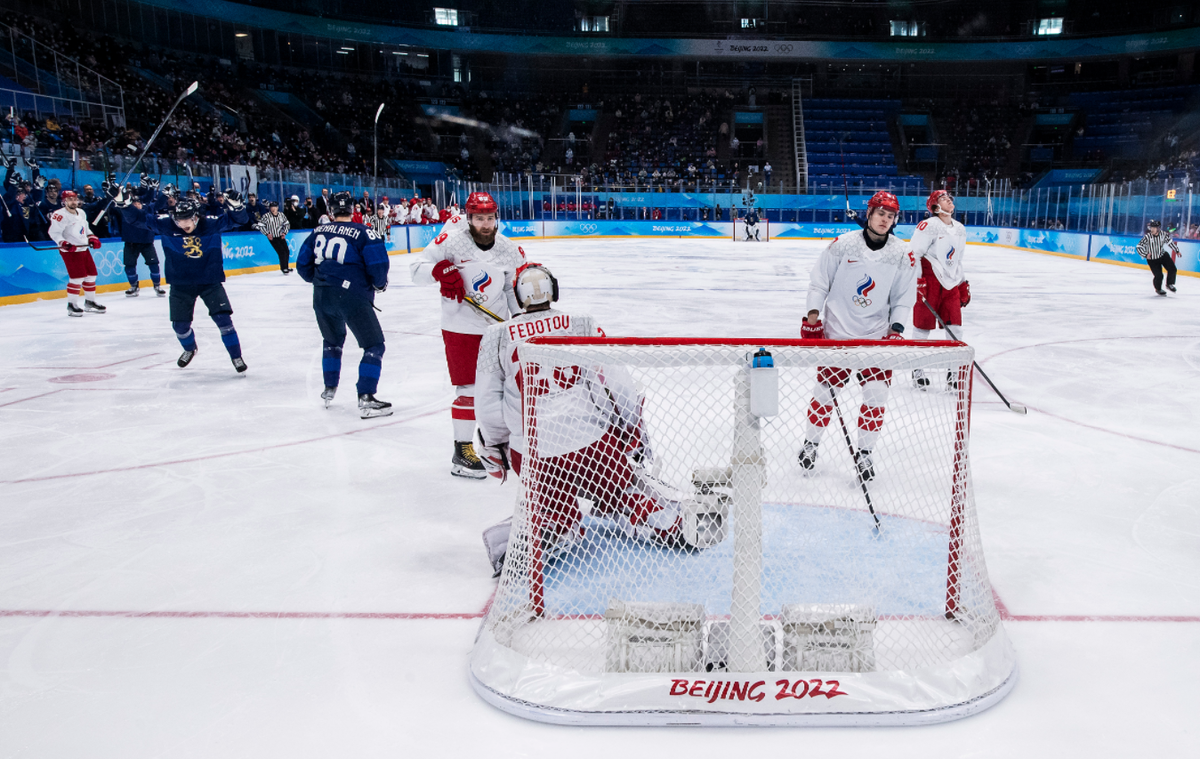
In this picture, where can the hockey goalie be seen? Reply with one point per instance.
(590, 441)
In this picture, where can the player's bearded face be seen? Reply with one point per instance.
(881, 220)
(72, 203)
(482, 227)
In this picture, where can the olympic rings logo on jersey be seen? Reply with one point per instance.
(865, 286)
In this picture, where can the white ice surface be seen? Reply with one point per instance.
(298, 571)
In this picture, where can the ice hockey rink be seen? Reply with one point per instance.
(201, 564)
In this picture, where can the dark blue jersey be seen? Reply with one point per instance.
(752, 216)
(191, 259)
(133, 233)
(344, 254)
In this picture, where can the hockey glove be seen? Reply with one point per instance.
(922, 289)
(65, 247)
(893, 336)
(32, 163)
(447, 274)
(964, 293)
(494, 458)
(379, 288)
(93, 241)
(39, 182)
(234, 199)
(812, 331)
(144, 180)
(119, 199)
(152, 184)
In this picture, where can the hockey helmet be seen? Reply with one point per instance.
(67, 195)
(883, 199)
(935, 196)
(535, 285)
(480, 202)
(186, 208)
(342, 204)
(1153, 223)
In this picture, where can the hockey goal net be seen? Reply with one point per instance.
(754, 233)
(671, 561)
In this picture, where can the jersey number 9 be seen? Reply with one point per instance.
(329, 249)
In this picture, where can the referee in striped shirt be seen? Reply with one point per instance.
(275, 226)
(1153, 248)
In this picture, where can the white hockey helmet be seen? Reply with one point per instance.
(535, 285)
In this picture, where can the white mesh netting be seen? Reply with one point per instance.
(663, 528)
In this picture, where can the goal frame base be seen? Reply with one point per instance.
(739, 230)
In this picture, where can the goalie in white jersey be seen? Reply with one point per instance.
(939, 243)
(865, 283)
(590, 438)
(475, 267)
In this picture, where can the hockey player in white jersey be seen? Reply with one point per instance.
(939, 243)
(591, 441)
(475, 266)
(865, 285)
(70, 230)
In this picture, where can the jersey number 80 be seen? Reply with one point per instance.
(329, 249)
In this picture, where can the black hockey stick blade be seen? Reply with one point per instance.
(1014, 407)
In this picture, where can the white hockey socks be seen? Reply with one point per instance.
(462, 414)
(870, 414)
(819, 410)
(74, 288)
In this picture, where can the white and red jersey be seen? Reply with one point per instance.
(943, 245)
(860, 292)
(431, 213)
(487, 275)
(71, 228)
(456, 221)
(414, 213)
(562, 398)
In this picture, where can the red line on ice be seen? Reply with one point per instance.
(220, 455)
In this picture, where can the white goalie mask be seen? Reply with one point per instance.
(535, 285)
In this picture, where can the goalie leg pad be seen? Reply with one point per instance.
(495, 540)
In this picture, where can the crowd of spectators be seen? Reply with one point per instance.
(978, 134)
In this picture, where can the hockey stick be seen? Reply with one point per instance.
(190, 89)
(1015, 407)
(480, 308)
(862, 482)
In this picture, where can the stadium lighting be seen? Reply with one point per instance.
(241, 34)
(1050, 26)
(445, 16)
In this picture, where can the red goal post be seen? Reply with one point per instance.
(779, 601)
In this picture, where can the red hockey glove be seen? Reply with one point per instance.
(921, 289)
(452, 283)
(93, 241)
(893, 336)
(964, 293)
(812, 331)
(65, 247)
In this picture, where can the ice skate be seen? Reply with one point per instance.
(866, 467)
(1171, 288)
(74, 310)
(327, 396)
(464, 462)
(240, 365)
(132, 292)
(1160, 291)
(185, 358)
(920, 381)
(160, 292)
(369, 406)
(93, 307)
(808, 456)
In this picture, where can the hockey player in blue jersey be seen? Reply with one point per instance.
(191, 243)
(348, 264)
(751, 223)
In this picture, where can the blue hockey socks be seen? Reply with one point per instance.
(155, 275)
(187, 338)
(331, 364)
(229, 335)
(131, 275)
(369, 368)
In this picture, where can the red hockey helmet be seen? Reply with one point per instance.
(480, 202)
(934, 197)
(68, 194)
(883, 199)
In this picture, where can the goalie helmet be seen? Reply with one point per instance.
(933, 199)
(480, 202)
(186, 208)
(535, 286)
(342, 204)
